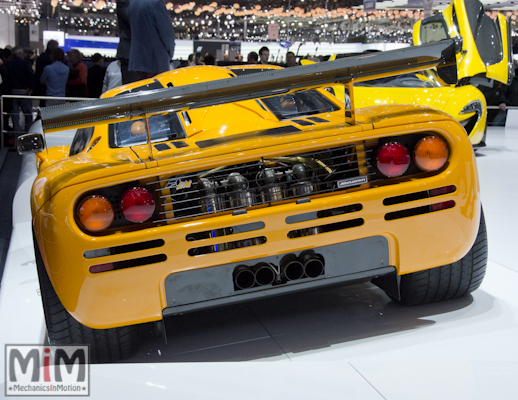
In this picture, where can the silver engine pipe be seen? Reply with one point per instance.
(303, 186)
(240, 195)
(210, 201)
(273, 190)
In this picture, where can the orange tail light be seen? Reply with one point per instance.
(95, 213)
(431, 153)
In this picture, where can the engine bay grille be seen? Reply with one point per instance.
(262, 183)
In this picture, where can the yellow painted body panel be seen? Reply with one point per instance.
(447, 98)
(469, 61)
(136, 295)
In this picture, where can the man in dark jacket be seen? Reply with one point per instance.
(96, 76)
(41, 62)
(123, 49)
(152, 38)
(496, 95)
(22, 81)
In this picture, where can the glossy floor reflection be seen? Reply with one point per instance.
(342, 342)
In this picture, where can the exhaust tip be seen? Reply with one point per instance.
(244, 278)
(313, 265)
(291, 267)
(264, 274)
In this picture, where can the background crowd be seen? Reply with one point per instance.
(146, 48)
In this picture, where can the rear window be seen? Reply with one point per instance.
(433, 30)
(299, 104)
(487, 39)
(133, 132)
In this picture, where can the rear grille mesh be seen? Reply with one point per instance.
(263, 182)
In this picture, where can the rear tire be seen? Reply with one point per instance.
(449, 281)
(105, 344)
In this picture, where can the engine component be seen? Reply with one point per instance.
(239, 195)
(273, 190)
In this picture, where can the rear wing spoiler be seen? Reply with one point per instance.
(265, 84)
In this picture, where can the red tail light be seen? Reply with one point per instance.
(393, 159)
(137, 205)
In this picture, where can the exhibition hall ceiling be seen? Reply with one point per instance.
(295, 20)
(31, 8)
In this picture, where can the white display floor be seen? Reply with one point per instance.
(350, 342)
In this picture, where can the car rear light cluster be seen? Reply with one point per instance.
(429, 154)
(96, 213)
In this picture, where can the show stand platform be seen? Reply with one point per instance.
(350, 342)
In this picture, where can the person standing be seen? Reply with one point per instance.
(113, 76)
(41, 62)
(22, 81)
(76, 84)
(252, 58)
(264, 55)
(123, 49)
(6, 88)
(55, 76)
(96, 76)
(152, 38)
(291, 60)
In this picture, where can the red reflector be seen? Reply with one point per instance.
(94, 269)
(393, 159)
(442, 190)
(443, 206)
(137, 205)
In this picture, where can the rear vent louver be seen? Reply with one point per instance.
(217, 248)
(264, 182)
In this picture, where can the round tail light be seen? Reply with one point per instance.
(431, 153)
(137, 205)
(95, 213)
(393, 159)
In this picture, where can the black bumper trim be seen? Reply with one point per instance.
(211, 286)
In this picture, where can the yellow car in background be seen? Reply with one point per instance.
(483, 54)
(483, 45)
(199, 188)
(465, 103)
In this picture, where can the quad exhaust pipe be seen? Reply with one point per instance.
(313, 264)
(291, 268)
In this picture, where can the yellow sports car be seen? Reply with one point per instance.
(465, 103)
(197, 188)
(483, 54)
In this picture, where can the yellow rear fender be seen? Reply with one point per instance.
(51, 155)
